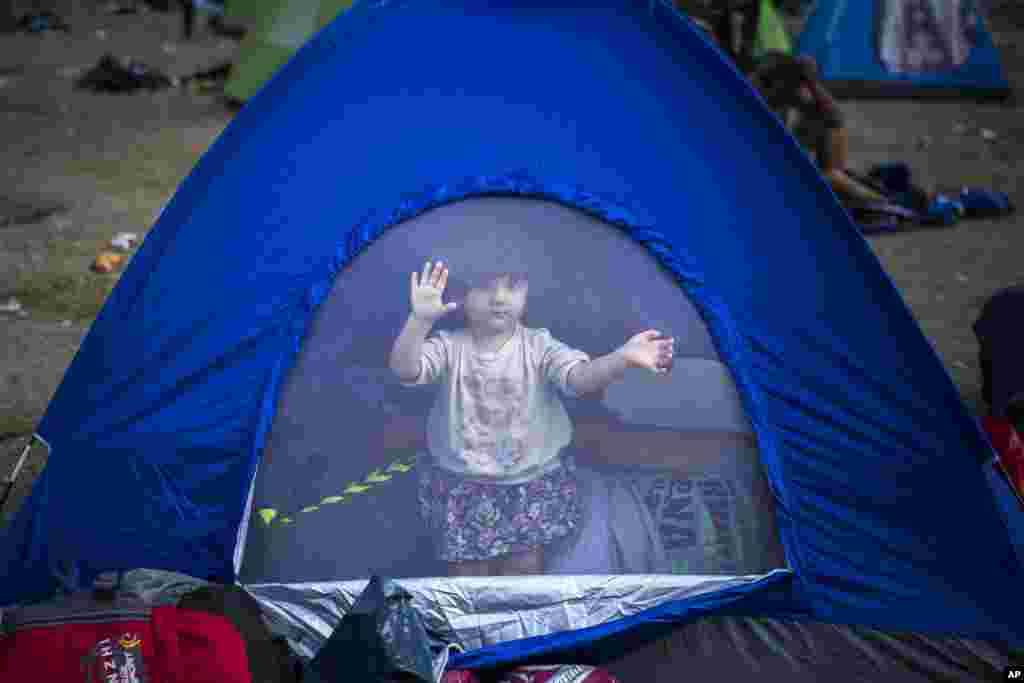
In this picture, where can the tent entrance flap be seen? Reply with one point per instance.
(496, 453)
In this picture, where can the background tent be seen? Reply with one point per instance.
(621, 162)
(771, 32)
(279, 28)
(248, 10)
(904, 48)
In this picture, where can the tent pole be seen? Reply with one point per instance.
(9, 482)
(998, 464)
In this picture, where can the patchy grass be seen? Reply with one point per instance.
(67, 290)
(138, 183)
(16, 424)
(142, 179)
(153, 168)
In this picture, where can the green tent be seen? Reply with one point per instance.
(771, 32)
(247, 11)
(279, 28)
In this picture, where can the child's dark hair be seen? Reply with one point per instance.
(460, 284)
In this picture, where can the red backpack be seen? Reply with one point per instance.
(104, 637)
(1009, 445)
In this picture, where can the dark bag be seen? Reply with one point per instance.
(382, 638)
(111, 75)
(270, 658)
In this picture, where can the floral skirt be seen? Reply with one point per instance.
(476, 521)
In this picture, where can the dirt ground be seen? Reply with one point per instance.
(78, 168)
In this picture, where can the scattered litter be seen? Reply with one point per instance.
(981, 203)
(112, 75)
(107, 262)
(159, 5)
(71, 71)
(959, 128)
(988, 134)
(960, 277)
(40, 22)
(208, 80)
(101, 34)
(14, 212)
(65, 323)
(124, 241)
(121, 8)
(12, 305)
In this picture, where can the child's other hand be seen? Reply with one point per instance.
(425, 292)
(648, 350)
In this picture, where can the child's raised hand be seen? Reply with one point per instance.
(648, 350)
(425, 292)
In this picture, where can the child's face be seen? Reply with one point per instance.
(496, 308)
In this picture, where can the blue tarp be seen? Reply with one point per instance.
(620, 109)
(903, 47)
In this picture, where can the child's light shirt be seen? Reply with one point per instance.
(498, 417)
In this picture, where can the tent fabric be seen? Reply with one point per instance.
(482, 613)
(494, 620)
(280, 28)
(248, 10)
(784, 651)
(620, 110)
(904, 48)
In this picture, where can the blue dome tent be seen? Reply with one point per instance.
(230, 416)
(904, 48)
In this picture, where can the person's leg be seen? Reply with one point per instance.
(520, 564)
(846, 188)
(833, 159)
(188, 18)
(750, 13)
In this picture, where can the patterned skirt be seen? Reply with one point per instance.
(476, 521)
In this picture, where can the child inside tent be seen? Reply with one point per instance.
(496, 487)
